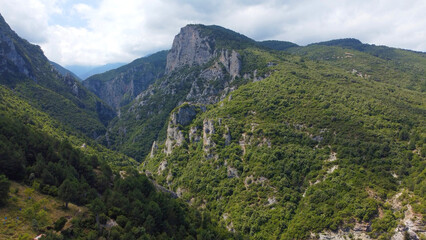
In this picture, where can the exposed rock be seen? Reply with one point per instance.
(10, 60)
(189, 48)
(245, 140)
(180, 191)
(272, 200)
(232, 172)
(231, 61)
(193, 136)
(162, 167)
(333, 157)
(332, 169)
(163, 189)
(343, 235)
(154, 149)
(120, 86)
(182, 116)
(148, 173)
(208, 130)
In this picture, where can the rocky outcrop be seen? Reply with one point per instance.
(10, 60)
(162, 167)
(189, 48)
(154, 149)
(181, 117)
(193, 135)
(231, 61)
(208, 144)
(120, 86)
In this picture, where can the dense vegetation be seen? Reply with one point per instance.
(305, 140)
(80, 175)
(29, 73)
(277, 177)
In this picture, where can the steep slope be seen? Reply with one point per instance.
(36, 150)
(204, 64)
(63, 71)
(120, 86)
(17, 113)
(25, 69)
(402, 68)
(311, 148)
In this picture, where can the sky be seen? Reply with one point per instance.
(97, 32)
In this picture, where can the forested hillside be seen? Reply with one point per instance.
(220, 137)
(310, 148)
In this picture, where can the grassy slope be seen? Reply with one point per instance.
(26, 204)
(360, 120)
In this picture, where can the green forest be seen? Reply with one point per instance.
(261, 140)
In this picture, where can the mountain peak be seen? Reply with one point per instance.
(196, 44)
(189, 48)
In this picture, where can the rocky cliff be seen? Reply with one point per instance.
(120, 86)
(179, 118)
(190, 48)
(205, 64)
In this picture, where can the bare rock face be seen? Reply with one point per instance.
(183, 116)
(231, 61)
(10, 59)
(208, 130)
(189, 48)
(193, 136)
(227, 136)
(154, 149)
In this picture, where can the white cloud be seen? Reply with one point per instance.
(115, 31)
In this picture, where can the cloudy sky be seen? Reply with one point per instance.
(96, 32)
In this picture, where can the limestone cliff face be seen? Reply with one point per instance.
(10, 60)
(181, 117)
(189, 48)
(120, 86)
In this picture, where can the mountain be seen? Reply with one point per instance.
(120, 86)
(257, 140)
(68, 175)
(202, 67)
(63, 70)
(26, 70)
(398, 67)
(83, 72)
(310, 142)
(76, 189)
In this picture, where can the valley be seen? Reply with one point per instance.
(220, 137)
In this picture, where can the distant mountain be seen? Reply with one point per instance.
(63, 70)
(120, 86)
(25, 70)
(277, 45)
(83, 72)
